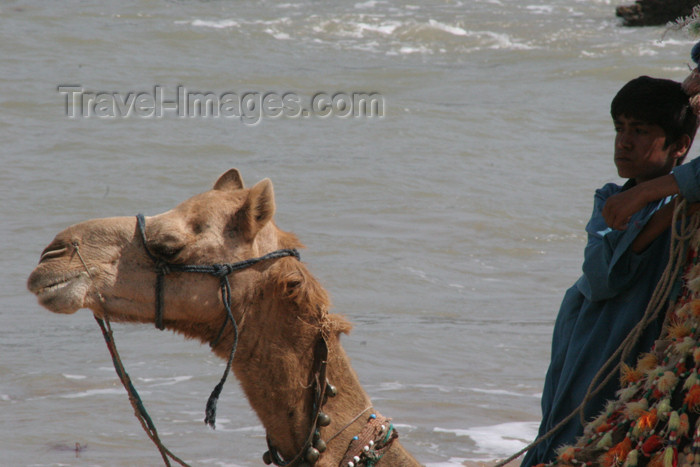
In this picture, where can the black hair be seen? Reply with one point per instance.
(659, 102)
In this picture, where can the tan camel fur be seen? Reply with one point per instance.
(279, 306)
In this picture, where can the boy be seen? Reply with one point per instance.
(655, 127)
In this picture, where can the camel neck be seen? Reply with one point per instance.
(281, 395)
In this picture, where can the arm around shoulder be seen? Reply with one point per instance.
(619, 208)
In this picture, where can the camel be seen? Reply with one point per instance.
(278, 318)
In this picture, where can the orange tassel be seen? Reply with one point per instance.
(679, 329)
(692, 398)
(695, 308)
(657, 460)
(647, 421)
(567, 455)
(618, 453)
(684, 425)
(629, 375)
(647, 361)
(605, 426)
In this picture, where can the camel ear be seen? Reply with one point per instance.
(258, 209)
(231, 180)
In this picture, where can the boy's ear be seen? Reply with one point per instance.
(680, 148)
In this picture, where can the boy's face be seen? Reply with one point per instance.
(639, 150)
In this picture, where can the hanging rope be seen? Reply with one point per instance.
(682, 230)
(134, 398)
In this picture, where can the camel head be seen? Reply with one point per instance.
(289, 341)
(103, 265)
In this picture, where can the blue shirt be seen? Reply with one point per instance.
(600, 310)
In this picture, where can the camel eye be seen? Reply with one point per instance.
(198, 227)
(166, 250)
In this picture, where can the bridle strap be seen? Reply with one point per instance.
(318, 372)
(220, 270)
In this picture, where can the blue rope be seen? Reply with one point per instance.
(222, 271)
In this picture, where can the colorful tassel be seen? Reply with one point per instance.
(647, 421)
(631, 460)
(670, 457)
(629, 375)
(618, 454)
(692, 398)
(652, 444)
(605, 442)
(667, 382)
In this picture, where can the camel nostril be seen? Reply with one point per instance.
(56, 249)
(48, 254)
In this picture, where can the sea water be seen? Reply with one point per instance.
(446, 219)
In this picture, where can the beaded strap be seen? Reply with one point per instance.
(371, 443)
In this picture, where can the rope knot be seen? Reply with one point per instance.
(163, 268)
(221, 270)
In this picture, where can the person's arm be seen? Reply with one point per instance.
(619, 208)
(659, 222)
(609, 265)
(685, 180)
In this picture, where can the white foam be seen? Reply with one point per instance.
(367, 4)
(501, 392)
(540, 9)
(283, 36)
(386, 28)
(221, 24)
(504, 41)
(452, 462)
(457, 31)
(390, 386)
(165, 381)
(74, 376)
(93, 392)
(497, 441)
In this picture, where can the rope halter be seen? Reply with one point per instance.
(221, 271)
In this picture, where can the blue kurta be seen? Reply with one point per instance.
(596, 315)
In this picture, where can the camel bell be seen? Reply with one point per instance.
(312, 454)
(267, 458)
(320, 445)
(331, 391)
(324, 419)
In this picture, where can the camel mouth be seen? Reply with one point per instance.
(56, 285)
(63, 293)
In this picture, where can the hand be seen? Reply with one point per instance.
(619, 208)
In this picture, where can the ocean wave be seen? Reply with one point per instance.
(497, 441)
(165, 381)
(67, 376)
(221, 24)
(391, 34)
(455, 30)
(502, 392)
(95, 392)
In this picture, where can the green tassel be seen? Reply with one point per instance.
(674, 421)
(631, 460)
(668, 457)
(664, 408)
(605, 442)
